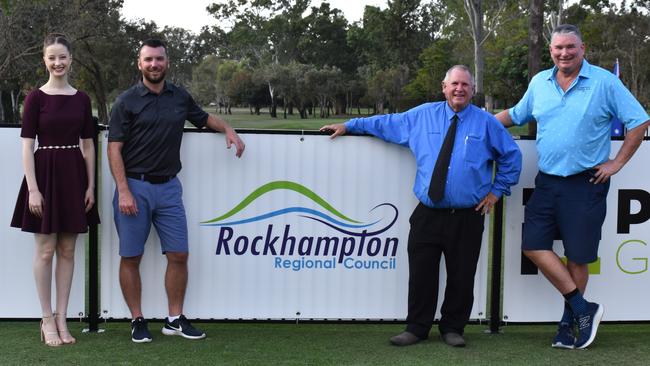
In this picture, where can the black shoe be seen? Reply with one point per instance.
(453, 339)
(405, 339)
(139, 331)
(183, 328)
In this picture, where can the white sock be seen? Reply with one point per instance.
(172, 318)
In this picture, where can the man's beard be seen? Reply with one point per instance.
(158, 80)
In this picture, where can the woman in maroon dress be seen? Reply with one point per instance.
(56, 199)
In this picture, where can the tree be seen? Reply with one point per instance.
(21, 49)
(225, 71)
(93, 27)
(509, 75)
(327, 84)
(554, 18)
(280, 51)
(436, 60)
(269, 75)
(203, 84)
(96, 30)
(267, 32)
(262, 30)
(355, 89)
(305, 94)
(325, 40)
(378, 87)
(480, 30)
(403, 33)
(620, 33)
(286, 28)
(397, 78)
(210, 41)
(394, 36)
(240, 87)
(535, 46)
(180, 46)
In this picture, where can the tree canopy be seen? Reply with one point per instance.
(291, 54)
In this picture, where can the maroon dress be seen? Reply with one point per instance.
(58, 121)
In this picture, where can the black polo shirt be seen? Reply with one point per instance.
(151, 127)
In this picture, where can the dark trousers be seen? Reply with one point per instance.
(456, 234)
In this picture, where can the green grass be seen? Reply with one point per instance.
(320, 344)
(242, 119)
(519, 130)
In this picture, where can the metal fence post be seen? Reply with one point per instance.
(93, 253)
(497, 246)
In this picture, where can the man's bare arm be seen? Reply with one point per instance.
(126, 202)
(504, 118)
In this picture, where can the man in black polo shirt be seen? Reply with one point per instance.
(144, 139)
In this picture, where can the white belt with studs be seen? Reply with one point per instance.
(58, 147)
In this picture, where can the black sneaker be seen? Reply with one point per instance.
(139, 331)
(183, 328)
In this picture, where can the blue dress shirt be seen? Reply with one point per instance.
(480, 141)
(573, 127)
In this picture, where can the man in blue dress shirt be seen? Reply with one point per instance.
(573, 104)
(449, 222)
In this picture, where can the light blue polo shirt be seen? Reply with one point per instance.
(573, 127)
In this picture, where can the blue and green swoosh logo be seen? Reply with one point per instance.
(326, 214)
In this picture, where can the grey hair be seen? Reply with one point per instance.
(459, 67)
(567, 29)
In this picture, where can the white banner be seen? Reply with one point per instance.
(300, 227)
(19, 299)
(618, 281)
(326, 185)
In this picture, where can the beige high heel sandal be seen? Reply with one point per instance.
(64, 334)
(49, 338)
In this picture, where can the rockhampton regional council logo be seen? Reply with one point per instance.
(350, 244)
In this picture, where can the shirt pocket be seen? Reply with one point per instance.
(180, 113)
(473, 148)
(174, 114)
(434, 140)
(138, 106)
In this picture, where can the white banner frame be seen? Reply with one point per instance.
(531, 298)
(344, 172)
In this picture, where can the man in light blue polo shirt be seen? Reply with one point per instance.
(573, 103)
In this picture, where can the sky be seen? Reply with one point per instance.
(191, 14)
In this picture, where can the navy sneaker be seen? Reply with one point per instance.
(182, 327)
(565, 337)
(139, 331)
(588, 324)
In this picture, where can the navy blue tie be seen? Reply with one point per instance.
(439, 176)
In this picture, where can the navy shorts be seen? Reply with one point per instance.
(570, 206)
(160, 204)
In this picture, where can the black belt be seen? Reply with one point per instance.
(589, 173)
(153, 179)
(452, 210)
(448, 210)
